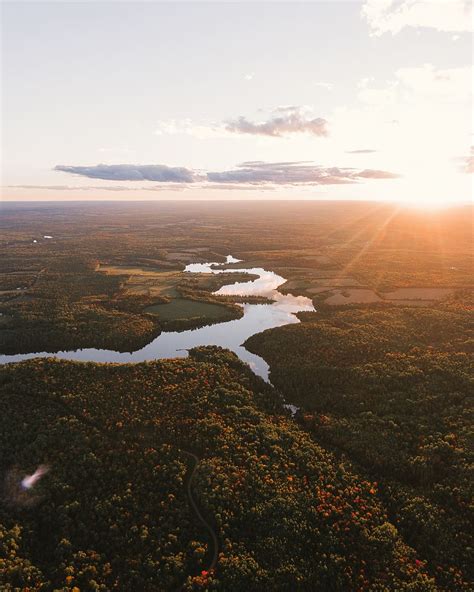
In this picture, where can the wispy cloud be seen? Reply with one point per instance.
(420, 85)
(292, 120)
(133, 172)
(469, 162)
(375, 174)
(284, 120)
(392, 16)
(361, 151)
(325, 85)
(251, 173)
(161, 187)
(201, 130)
(294, 173)
(239, 187)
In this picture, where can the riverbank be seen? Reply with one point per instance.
(279, 310)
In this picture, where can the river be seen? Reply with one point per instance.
(229, 334)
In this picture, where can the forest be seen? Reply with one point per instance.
(392, 390)
(288, 515)
(191, 474)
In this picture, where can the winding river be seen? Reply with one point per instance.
(229, 334)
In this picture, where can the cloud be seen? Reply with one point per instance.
(294, 173)
(68, 187)
(291, 109)
(447, 85)
(469, 162)
(375, 174)
(392, 16)
(325, 85)
(361, 151)
(131, 172)
(244, 175)
(291, 121)
(286, 120)
(249, 76)
(420, 85)
(162, 187)
(239, 187)
(202, 130)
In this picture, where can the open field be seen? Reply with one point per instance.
(145, 281)
(184, 309)
(352, 296)
(419, 294)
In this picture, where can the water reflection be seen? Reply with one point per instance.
(231, 334)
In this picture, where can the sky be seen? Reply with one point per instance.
(368, 99)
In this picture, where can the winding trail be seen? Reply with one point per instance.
(197, 511)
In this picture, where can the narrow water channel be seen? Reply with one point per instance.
(229, 334)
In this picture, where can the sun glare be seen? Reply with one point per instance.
(440, 192)
(427, 203)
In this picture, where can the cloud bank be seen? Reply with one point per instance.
(131, 172)
(252, 173)
(294, 173)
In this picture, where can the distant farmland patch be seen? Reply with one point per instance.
(184, 309)
(140, 281)
(419, 294)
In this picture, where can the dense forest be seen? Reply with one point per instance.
(392, 389)
(117, 438)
